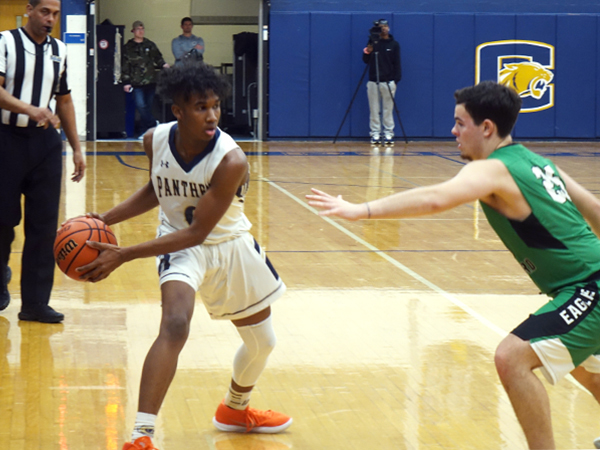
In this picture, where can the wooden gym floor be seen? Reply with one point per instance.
(386, 335)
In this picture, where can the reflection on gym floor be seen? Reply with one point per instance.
(386, 336)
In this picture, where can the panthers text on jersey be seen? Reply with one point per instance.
(179, 185)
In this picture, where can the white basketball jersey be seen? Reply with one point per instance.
(179, 185)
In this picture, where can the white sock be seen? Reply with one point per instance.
(144, 425)
(237, 400)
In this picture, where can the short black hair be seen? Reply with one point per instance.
(179, 83)
(34, 3)
(187, 19)
(490, 100)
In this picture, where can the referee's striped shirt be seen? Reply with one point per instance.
(33, 73)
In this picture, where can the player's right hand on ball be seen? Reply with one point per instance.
(107, 261)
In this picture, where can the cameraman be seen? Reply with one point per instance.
(385, 71)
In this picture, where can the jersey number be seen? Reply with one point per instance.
(528, 266)
(553, 184)
(164, 263)
(189, 214)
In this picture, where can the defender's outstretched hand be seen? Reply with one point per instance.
(337, 206)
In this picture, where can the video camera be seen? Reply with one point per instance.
(375, 31)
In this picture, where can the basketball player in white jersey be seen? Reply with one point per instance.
(198, 177)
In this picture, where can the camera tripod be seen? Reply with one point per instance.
(376, 53)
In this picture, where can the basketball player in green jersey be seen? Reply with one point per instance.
(540, 214)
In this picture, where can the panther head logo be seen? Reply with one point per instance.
(528, 78)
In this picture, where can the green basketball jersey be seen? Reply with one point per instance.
(554, 245)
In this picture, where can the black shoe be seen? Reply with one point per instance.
(44, 314)
(4, 297)
(4, 294)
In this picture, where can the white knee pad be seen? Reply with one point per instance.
(251, 358)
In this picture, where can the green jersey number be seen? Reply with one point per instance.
(553, 184)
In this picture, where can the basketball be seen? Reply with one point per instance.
(70, 249)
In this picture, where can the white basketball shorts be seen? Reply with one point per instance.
(235, 278)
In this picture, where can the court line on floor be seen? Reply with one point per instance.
(408, 271)
(394, 262)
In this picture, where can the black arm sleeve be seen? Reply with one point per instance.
(63, 88)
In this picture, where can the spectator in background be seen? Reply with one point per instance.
(382, 53)
(141, 58)
(187, 45)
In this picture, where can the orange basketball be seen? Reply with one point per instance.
(70, 249)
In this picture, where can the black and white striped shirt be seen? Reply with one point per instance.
(33, 73)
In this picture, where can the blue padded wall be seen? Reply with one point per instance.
(289, 75)
(316, 65)
(452, 66)
(597, 79)
(417, 74)
(577, 77)
(330, 62)
(439, 6)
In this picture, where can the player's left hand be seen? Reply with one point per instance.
(107, 261)
(91, 215)
(79, 164)
(335, 206)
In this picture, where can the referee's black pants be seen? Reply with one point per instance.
(31, 165)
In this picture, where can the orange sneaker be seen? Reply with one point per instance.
(141, 443)
(249, 420)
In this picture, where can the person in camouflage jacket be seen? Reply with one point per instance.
(139, 62)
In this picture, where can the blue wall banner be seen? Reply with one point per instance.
(552, 61)
(441, 6)
(525, 66)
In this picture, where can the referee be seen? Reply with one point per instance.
(34, 101)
